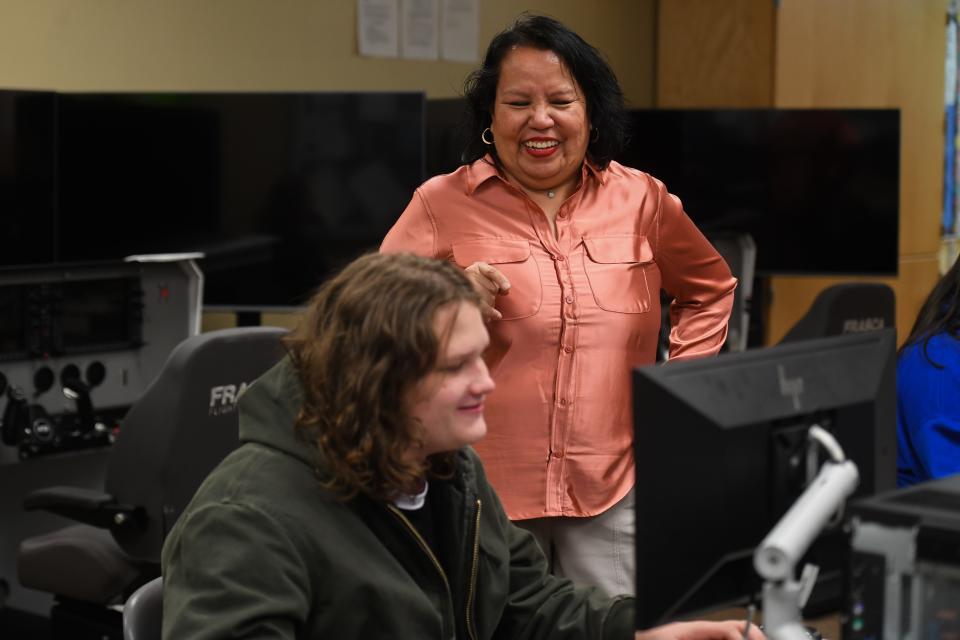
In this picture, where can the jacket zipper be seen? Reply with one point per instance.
(423, 545)
(471, 588)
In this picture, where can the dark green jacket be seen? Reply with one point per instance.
(263, 552)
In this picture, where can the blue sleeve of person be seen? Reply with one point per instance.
(928, 411)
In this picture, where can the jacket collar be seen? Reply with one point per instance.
(485, 169)
(268, 411)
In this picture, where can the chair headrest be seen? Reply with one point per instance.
(846, 308)
(184, 424)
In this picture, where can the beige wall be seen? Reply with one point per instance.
(102, 45)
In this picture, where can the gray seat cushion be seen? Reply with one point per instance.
(79, 561)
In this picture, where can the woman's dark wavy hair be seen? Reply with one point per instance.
(366, 339)
(940, 313)
(604, 97)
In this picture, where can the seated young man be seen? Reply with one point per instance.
(354, 507)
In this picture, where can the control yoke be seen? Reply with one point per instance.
(777, 556)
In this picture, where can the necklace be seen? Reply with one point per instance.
(551, 193)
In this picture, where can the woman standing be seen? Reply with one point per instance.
(569, 250)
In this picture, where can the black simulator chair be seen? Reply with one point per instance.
(143, 612)
(846, 308)
(171, 438)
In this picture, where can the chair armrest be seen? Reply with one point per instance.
(89, 506)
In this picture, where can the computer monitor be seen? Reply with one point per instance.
(720, 457)
(445, 135)
(27, 177)
(276, 189)
(763, 171)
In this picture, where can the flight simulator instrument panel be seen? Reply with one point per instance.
(80, 343)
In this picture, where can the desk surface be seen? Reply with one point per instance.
(828, 626)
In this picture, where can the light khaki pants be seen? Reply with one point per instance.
(595, 551)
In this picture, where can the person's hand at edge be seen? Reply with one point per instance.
(728, 630)
(489, 283)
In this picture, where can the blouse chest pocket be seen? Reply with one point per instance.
(513, 259)
(616, 267)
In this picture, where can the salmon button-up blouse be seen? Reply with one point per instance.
(582, 310)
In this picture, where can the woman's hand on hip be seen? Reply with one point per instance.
(489, 283)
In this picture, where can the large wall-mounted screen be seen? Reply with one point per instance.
(817, 189)
(277, 189)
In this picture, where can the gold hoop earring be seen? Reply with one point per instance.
(483, 136)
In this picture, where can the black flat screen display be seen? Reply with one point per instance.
(96, 314)
(277, 189)
(818, 189)
(27, 177)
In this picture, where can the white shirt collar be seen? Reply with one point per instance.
(414, 501)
